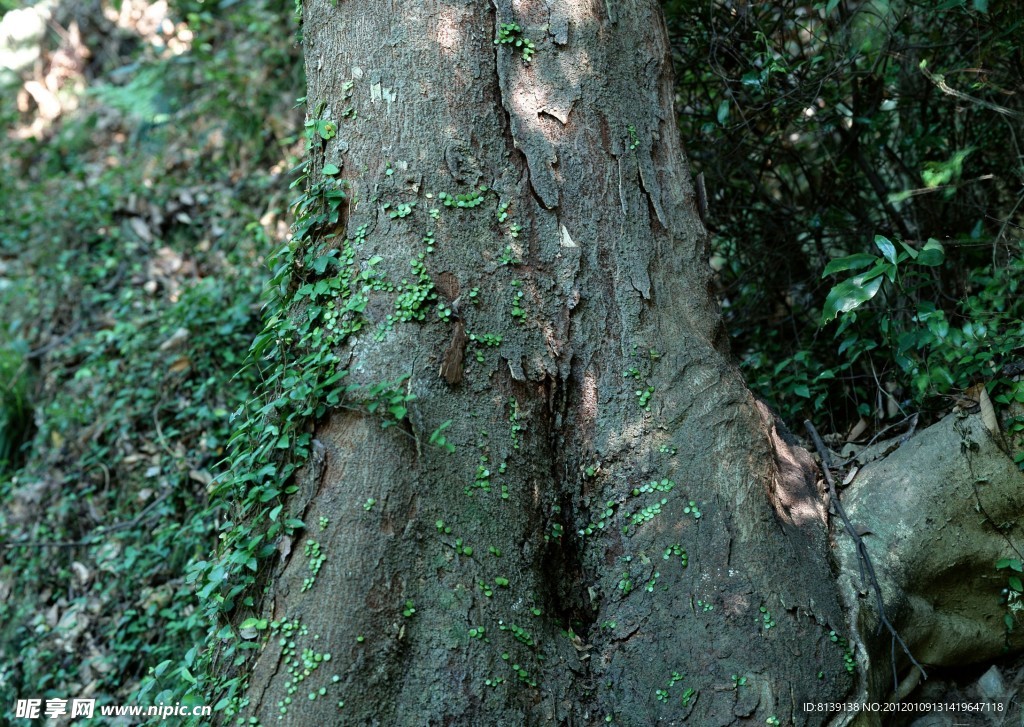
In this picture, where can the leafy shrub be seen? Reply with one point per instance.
(819, 127)
(134, 252)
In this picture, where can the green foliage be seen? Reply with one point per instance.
(133, 417)
(512, 34)
(144, 97)
(391, 400)
(463, 201)
(677, 551)
(518, 310)
(136, 303)
(837, 138)
(509, 257)
(829, 149)
(482, 341)
(1012, 592)
(317, 296)
(15, 402)
(853, 292)
(416, 297)
(849, 662)
(438, 439)
(932, 355)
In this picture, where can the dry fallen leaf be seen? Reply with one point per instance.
(858, 429)
(988, 413)
(140, 228)
(182, 363)
(284, 547)
(201, 476)
(452, 363)
(81, 572)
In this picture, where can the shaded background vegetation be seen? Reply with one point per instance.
(145, 181)
(820, 126)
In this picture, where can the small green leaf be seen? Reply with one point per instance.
(932, 254)
(848, 295)
(723, 112)
(879, 269)
(320, 264)
(887, 248)
(1016, 584)
(850, 262)
(330, 170)
(939, 327)
(326, 129)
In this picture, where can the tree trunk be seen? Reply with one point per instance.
(622, 534)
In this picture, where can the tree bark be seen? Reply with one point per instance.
(663, 545)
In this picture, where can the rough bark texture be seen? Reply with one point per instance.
(936, 513)
(582, 142)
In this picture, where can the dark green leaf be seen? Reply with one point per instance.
(848, 295)
(932, 254)
(850, 262)
(887, 248)
(723, 112)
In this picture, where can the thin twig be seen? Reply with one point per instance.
(940, 80)
(864, 559)
(880, 432)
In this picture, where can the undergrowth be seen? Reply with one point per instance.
(820, 128)
(137, 226)
(134, 257)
